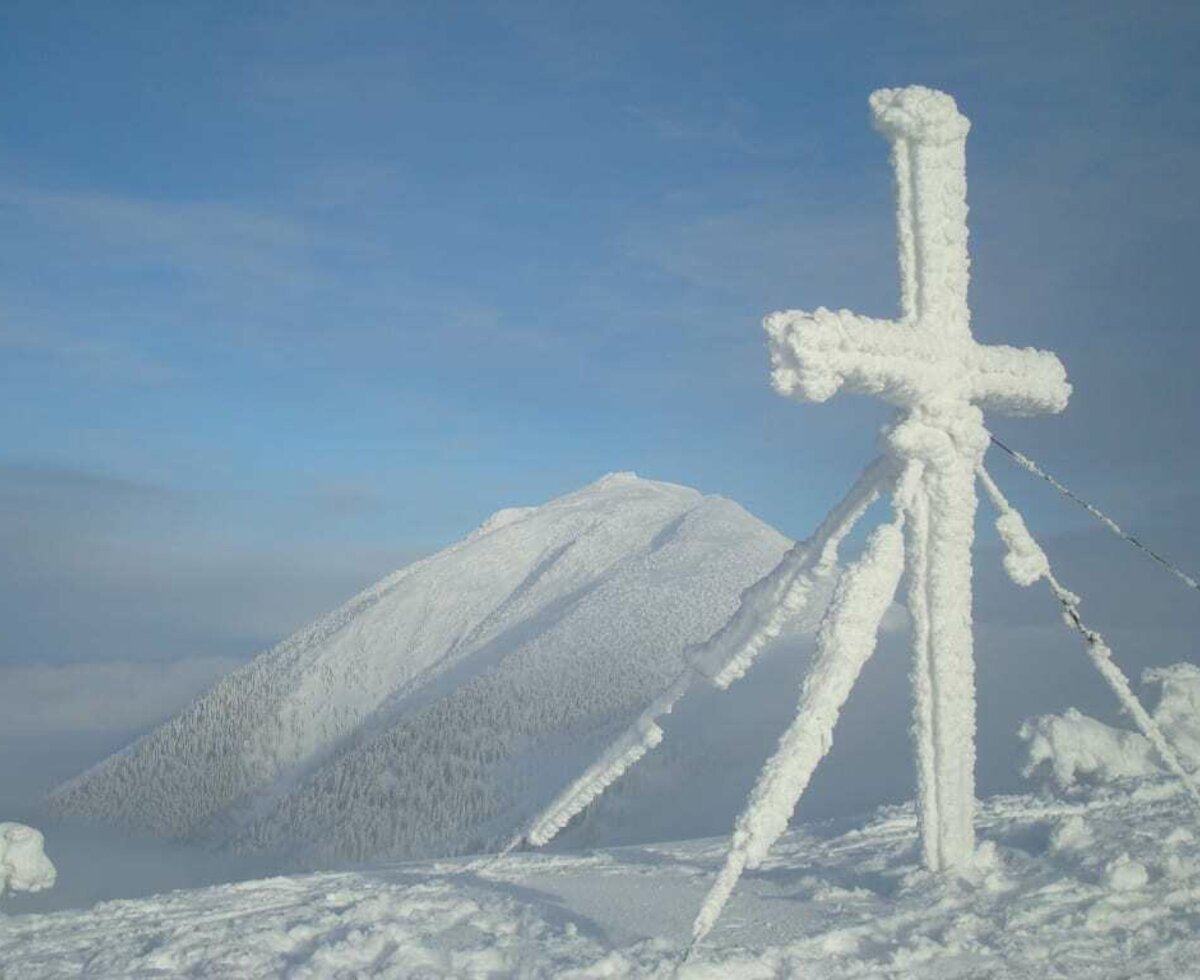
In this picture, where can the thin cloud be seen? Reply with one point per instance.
(344, 498)
(773, 254)
(85, 356)
(39, 497)
(100, 698)
(95, 566)
(719, 126)
(201, 238)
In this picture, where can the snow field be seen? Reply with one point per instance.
(1102, 887)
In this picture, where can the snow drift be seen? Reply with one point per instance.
(437, 710)
(1071, 750)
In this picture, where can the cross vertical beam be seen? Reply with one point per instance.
(928, 140)
(938, 538)
(929, 366)
(929, 147)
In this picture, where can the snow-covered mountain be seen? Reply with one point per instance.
(437, 710)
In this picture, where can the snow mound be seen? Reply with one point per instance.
(436, 711)
(1072, 749)
(24, 866)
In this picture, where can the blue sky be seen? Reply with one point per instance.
(291, 293)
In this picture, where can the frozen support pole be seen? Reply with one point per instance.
(929, 366)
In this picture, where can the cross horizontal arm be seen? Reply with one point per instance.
(813, 355)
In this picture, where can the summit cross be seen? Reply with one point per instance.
(940, 379)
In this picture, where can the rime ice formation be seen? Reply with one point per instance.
(24, 866)
(940, 379)
(927, 364)
(436, 711)
(846, 641)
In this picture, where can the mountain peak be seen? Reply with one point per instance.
(622, 482)
(618, 476)
(433, 711)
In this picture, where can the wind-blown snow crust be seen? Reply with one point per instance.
(437, 710)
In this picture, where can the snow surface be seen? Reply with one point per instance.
(436, 711)
(24, 866)
(1103, 886)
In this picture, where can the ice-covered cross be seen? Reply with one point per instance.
(929, 366)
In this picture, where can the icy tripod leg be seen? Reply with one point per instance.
(845, 643)
(1026, 562)
(765, 609)
(785, 593)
